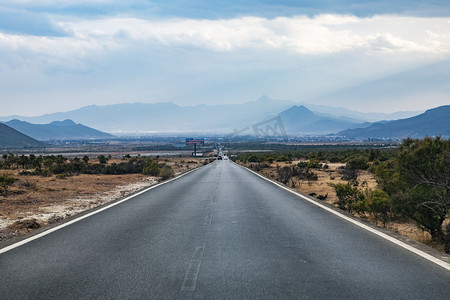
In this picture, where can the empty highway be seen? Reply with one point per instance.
(218, 232)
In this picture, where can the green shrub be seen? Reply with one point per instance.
(378, 205)
(151, 168)
(166, 172)
(348, 197)
(5, 182)
(357, 163)
(314, 163)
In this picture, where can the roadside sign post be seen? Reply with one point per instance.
(195, 142)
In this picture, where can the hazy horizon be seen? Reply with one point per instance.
(366, 56)
(215, 104)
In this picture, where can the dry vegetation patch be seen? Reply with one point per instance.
(325, 177)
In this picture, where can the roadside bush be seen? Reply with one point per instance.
(285, 173)
(259, 166)
(102, 159)
(378, 205)
(348, 197)
(284, 157)
(166, 172)
(314, 163)
(5, 182)
(255, 158)
(151, 168)
(357, 163)
(417, 180)
(349, 174)
(302, 164)
(302, 173)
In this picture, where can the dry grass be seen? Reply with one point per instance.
(49, 199)
(325, 178)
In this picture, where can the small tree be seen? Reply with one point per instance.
(60, 160)
(349, 174)
(424, 168)
(5, 183)
(102, 159)
(357, 163)
(418, 181)
(378, 205)
(86, 159)
(48, 163)
(285, 174)
(348, 196)
(314, 163)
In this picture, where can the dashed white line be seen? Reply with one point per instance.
(208, 218)
(190, 279)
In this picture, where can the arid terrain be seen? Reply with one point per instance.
(34, 201)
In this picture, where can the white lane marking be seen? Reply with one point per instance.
(208, 218)
(32, 238)
(421, 253)
(214, 198)
(190, 279)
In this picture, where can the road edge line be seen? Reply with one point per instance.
(387, 237)
(50, 230)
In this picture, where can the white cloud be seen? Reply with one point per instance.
(320, 35)
(177, 59)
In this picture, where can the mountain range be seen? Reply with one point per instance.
(146, 118)
(168, 117)
(57, 130)
(434, 122)
(12, 138)
(299, 119)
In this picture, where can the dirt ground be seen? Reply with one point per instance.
(325, 177)
(36, 201)
(365, 180)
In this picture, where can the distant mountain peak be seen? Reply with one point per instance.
(300, 109)
(65, 123)
(264, 98)
(16, 121)
(57, 130)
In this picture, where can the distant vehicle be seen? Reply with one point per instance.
(219, 157)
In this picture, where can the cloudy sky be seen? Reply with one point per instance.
(375, 55)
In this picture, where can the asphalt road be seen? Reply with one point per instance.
(218, 232)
